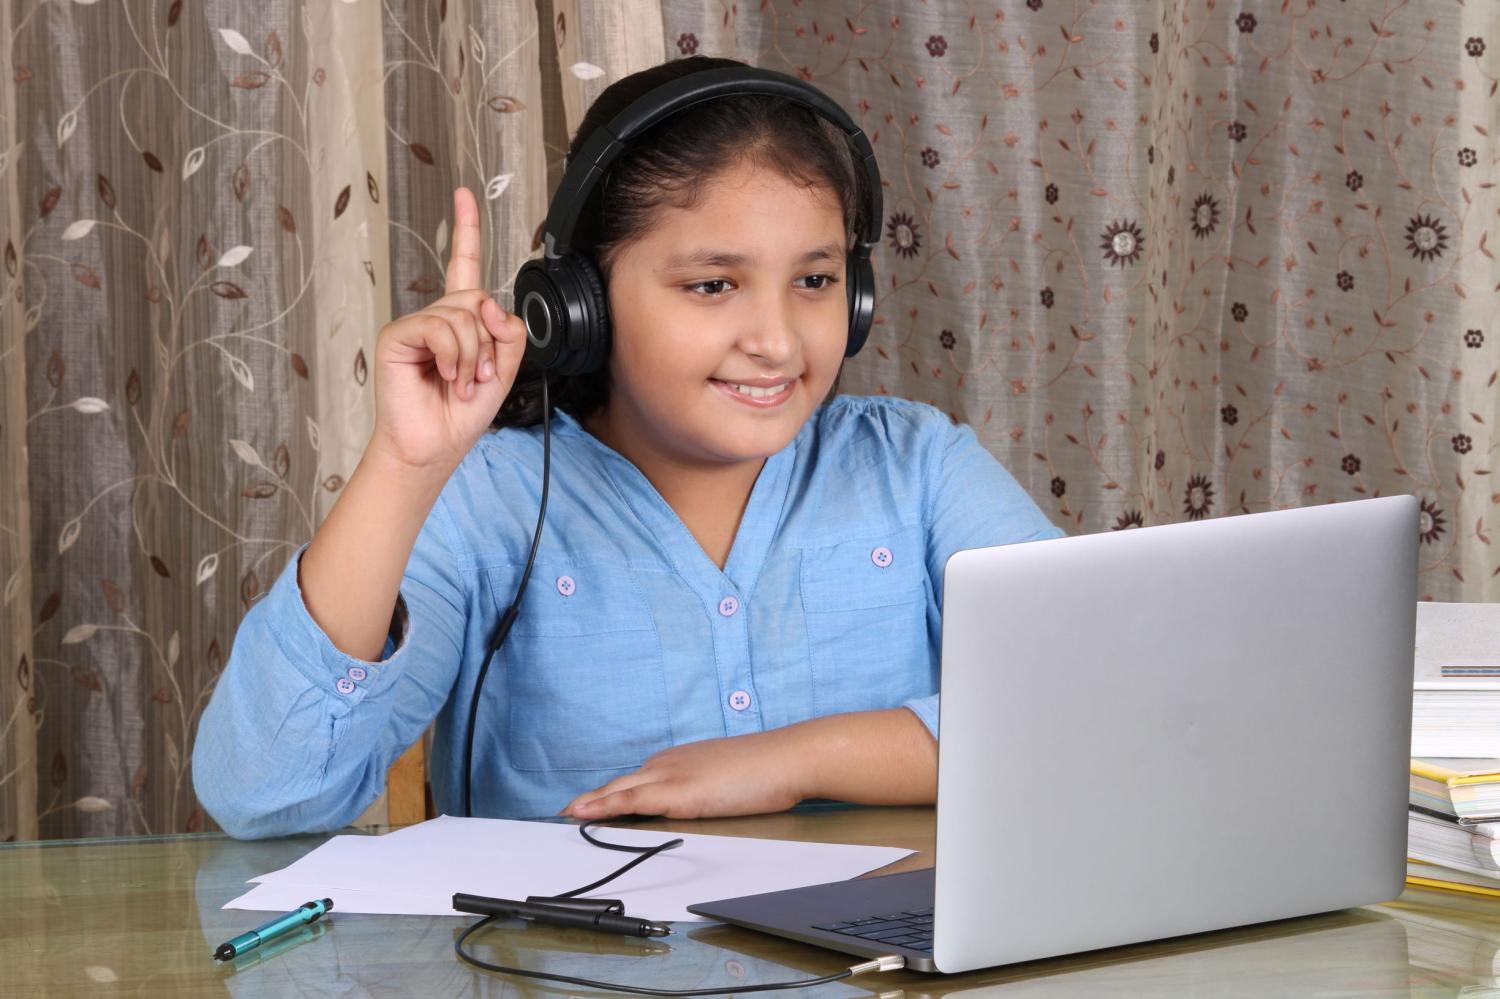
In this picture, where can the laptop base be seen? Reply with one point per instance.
(797, 912)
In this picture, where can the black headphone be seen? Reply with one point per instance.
(561, 297)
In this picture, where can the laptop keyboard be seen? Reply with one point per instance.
(912, 930)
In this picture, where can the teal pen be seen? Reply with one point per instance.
(270, 951)
(300, 916)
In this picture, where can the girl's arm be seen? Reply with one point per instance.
(351, 573)
(304, 722)
(310, 711)
(441, 374)
(868, 757)
(299, 734)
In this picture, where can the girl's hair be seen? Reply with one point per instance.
(669, 164)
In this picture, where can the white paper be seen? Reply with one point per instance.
(1456, 634)
(417, 870)
(280, 897)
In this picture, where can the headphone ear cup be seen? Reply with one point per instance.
(595, 344)
(538, 301)
(563, 304)
(859, 277)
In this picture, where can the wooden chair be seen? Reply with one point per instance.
(408, 798)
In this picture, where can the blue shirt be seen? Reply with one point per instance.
(630, 638)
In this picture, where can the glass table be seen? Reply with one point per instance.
(141, 916)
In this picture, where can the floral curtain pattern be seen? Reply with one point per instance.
(1182, 259)
(210, 210)
(1173, 259)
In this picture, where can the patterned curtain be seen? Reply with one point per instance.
(208, 211)
(1177, 259)
(1173, 259)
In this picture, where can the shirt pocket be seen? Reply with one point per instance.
(865, 603)
(584, 670)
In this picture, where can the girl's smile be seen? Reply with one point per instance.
(759, 393)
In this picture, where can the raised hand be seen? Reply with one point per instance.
(442, 372)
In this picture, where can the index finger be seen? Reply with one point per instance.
(463, 259)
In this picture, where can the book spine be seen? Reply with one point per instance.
(1412, 879)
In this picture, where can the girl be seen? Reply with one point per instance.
(735, 602)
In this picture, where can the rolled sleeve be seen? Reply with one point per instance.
(926, 710)
(296, 632)
(298, 735)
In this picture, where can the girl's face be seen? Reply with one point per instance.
(730, 322)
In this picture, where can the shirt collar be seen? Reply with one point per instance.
(758, 525)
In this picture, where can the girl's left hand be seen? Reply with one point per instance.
(738, 775)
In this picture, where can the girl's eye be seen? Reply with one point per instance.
(715, 287)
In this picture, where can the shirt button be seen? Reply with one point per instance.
(344, 685)
(728, 606)
(357, 673)
(881, 556)
(739, 700)
(566, 586)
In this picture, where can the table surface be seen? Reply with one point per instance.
(141, 916)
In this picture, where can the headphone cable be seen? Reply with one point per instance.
(890, 963)
(886, 963)
(511, 612)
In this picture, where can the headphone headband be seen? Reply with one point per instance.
(562, 298)
(608, 142)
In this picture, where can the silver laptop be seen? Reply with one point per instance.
(1150, 733)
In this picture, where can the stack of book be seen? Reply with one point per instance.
(1453, 829)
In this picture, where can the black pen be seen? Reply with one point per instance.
(305, 913)
(605, 915)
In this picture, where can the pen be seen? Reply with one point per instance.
(562, 912)
(271, 951)
(300, 916)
